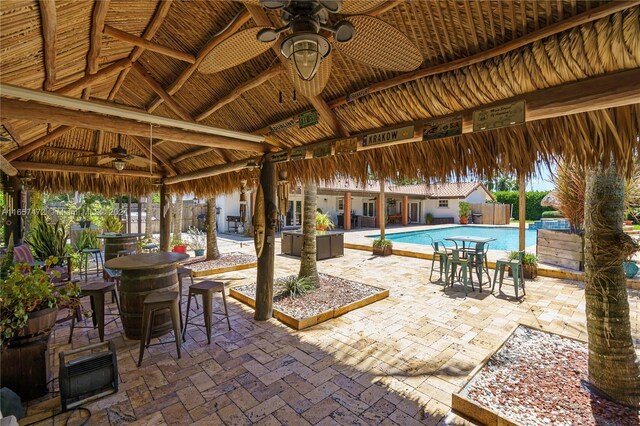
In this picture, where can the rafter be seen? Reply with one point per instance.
(6, 167)
(12, 132)
(67, 150)
(68, 168)
(442, 25)
(149, 45)
(472, 27)
(31, 146)
(100, 9)
(49, 24)
(149, 32)
(195, 153)
(221, 36)
(157, 88)
(144, 147)
(483, 27)
(99, 76)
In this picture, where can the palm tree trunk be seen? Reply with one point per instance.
(212, 232)
(308, 264)
(177, 219)
(613, 364)
(148, 223)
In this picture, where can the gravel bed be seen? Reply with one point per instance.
(537, 379)
(333, 292)
(227, 259)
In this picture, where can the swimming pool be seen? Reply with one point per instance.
(506, 237)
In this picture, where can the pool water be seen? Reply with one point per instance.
(506, 237)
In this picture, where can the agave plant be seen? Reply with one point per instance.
(47, 239)
(111, 223)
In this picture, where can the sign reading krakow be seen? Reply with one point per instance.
(387, 136)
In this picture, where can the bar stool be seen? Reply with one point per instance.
(126, 252)
(517, 270)
(97, 257)
(465, 266)
(153, 303)
(206, 290)
(96, 291)
(182, 273)
(149, 248)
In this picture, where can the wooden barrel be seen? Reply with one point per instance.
(113, 245)
(135, 285)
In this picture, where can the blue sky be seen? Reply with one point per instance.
(541, 182)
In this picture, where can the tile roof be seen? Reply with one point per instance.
(444, 190)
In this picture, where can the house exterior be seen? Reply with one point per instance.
(335, 198)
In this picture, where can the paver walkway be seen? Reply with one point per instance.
(396, 361)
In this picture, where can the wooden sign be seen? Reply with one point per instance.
(442, 128)
(356, 95)
(346, 146)
(279, 157)
(307, 119)
(391, 135)
(499, 116)
(284, 124)
(298, 153)
(322, 150)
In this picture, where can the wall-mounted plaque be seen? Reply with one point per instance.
(346, 146)
(391, 135)
(307, 119)
(499, 116)
(298, 153)
(442, 128)
(356, 95)
(322, 150)
(279, 157)
(284, 124)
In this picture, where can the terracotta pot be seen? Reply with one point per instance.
(180, 249)
(386, 251)
(464, 220)
(321, 228)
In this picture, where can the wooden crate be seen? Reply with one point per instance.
(560, 249)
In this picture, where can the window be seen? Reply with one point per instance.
(369, 209)
(340, 204)
(443, 203)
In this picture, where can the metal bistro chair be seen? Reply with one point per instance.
(466, 271)
(516, 268)
(479, 262)
(443, 255)
(96, 254)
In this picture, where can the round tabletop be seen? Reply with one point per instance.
(145, 260)
(118, 235)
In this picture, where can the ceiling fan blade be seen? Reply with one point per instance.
(317, 84)
(381, 45)
(92, 155)
(105, 160)
(139, 161)
(235, 50)
(356, 7)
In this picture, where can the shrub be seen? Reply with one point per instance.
(111, 223)
(533, 198)
(464, 209)
(428, 218)
(382, 243)
(323, 221)
(551, 214)
(46, 239)
(296, 286)
(528, 258)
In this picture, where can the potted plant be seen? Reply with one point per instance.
(111, 224)
(529, 264)
(464, 210)
(197, 240)
(428, 218)
(382, 247)
(29, 304)
(178, 245)
(84, 214)
(630, 268)
(323, 222)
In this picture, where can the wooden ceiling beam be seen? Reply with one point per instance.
(40, 113)
(7, 167)
(100, 142)
(49, 25)
(447, 40)
(149, 45)
(144, 147)
(581, 19)
(210, 171)
(194, 153)
(237, 23)
(68, 168)
(98, 77)
(12, 132)
(100, 8)
(157, 88)
(67, 150)
(149, 32)
(384, 7)
(38, 143)
(472, 27)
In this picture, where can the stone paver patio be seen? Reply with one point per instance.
(396, 361)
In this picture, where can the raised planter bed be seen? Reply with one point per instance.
(537, 378)
(334, 297)
(560, 248)
(228, 262)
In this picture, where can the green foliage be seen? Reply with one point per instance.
(533, 198)
(382, 243)
(176, 241)
(26, 291)
(428, 218)
(502, 182)
(88, 239)
(7, 260)
(111, 223)
(550, 214)
(528, 258)
(323, 221)
(47, 239)
(298, 286)
(464, 209)
(197, 238)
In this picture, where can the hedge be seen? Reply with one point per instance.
(534, 209)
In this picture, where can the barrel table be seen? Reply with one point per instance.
(113, 243)
(143, 274)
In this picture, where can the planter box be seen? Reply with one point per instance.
(25, 369)
(382, 251)
(328, 244)
(530, 272)
(560, 249)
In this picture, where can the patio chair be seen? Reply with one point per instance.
(466, 270)
(479, 262)
(516, 268)
(22, 254)
(440, 252)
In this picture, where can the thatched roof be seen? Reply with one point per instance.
(443, 32)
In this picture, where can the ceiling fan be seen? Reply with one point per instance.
(118, 157)
(310, 38)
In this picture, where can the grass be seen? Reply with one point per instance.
(636, 227)
(517, 221)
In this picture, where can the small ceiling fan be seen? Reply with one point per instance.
(118, 157)
(310, 38)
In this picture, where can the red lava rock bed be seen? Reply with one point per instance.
(227, 259)
(536, 378)
(333, 292)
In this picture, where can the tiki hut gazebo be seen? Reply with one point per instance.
(184, 86)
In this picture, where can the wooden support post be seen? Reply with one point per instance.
(165, 218)
(13, 198)
(129, 213)
(381, 214)
(522, 210)
(347, 211)
(264, 288)
(405, 210)
(139, 215)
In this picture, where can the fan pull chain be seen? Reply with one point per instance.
(150, 148)
(280, 97)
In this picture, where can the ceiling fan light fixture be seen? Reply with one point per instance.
(306, 52)
(118, 165)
